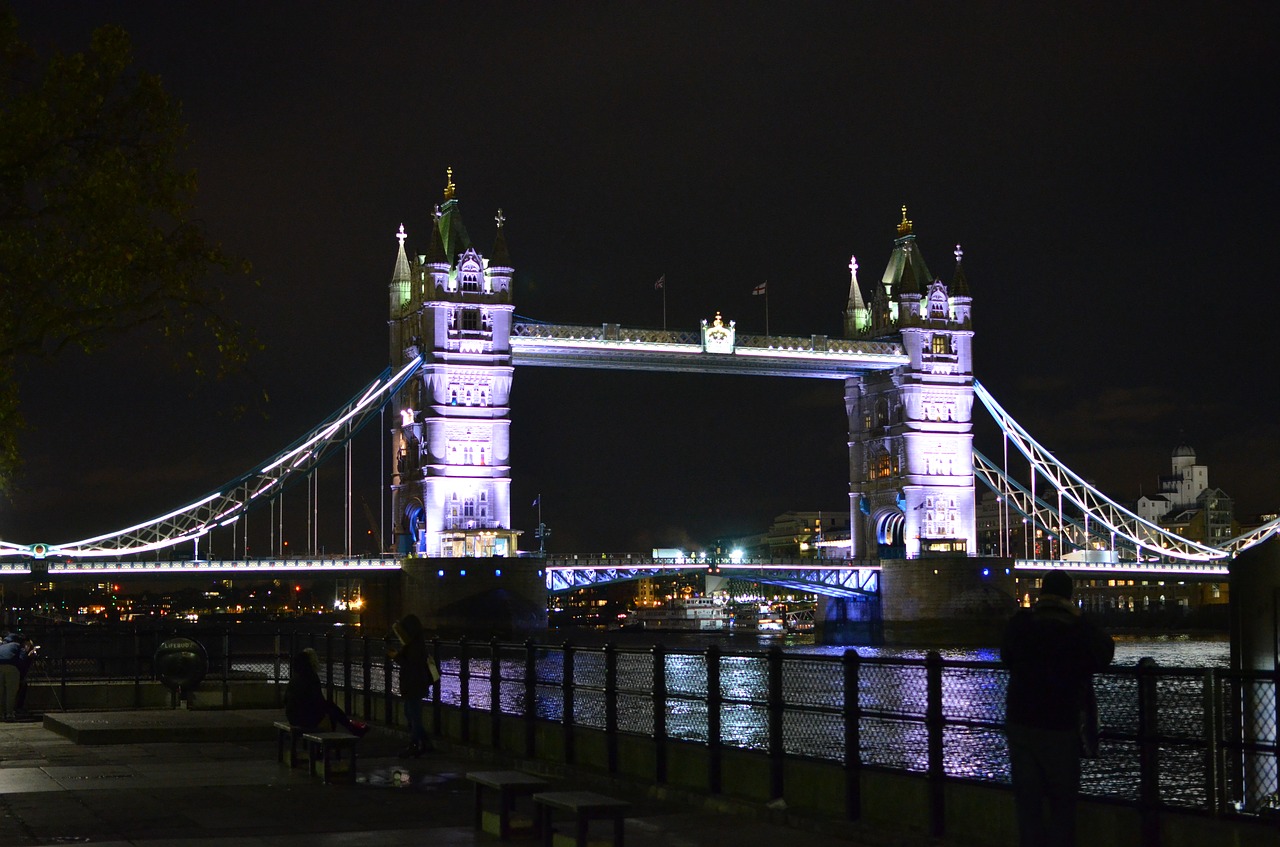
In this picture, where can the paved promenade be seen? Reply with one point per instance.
(196, 778)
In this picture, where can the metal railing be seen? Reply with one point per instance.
(1201, 740)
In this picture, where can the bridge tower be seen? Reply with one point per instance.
(910, 429)
(451, 478)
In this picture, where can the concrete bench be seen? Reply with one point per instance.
(290, 748)
(509, 785)
(582, 808)
(333, 754)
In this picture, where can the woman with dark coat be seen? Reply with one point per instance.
(304, 702)
(415, 680)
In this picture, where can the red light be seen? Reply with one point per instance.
(297, 588)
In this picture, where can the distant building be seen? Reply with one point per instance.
(805, 535)
(1187, 505)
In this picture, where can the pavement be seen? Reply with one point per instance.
(205, 778)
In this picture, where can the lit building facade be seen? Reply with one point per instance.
(451, 475)
(1185, 503)
(910, 429)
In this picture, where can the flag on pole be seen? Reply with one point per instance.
(661, 283)
(762, 288)
(537, 500)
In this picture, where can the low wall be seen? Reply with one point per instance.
(815, 794)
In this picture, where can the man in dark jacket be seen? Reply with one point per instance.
(1052, 652)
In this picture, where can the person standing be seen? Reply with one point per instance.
(1052, 652)
(15, 659)
(415, 680)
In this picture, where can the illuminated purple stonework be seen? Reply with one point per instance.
(451, 475)
(910, 429)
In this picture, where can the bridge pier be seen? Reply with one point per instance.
(1255, 646)
(946, 600)
(490, 597)
(848, 621)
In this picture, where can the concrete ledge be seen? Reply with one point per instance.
(162, 726)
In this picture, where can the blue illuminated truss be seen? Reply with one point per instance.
(830, 580)
(230, 502)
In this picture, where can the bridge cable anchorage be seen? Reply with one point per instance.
(230, 502)
(1097, 506)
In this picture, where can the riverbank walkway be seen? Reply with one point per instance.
(204, 778)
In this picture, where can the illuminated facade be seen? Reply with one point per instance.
(451, 477)
(910, 429)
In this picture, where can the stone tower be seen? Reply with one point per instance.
(451, 477)
(910, 429)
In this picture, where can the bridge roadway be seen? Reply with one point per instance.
(613, 347)
(829, 577)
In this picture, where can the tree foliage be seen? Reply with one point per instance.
(96, 238)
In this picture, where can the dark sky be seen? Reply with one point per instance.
(1110, 168)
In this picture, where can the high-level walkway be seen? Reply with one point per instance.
(122, 778)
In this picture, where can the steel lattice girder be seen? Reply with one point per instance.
(1088, 499)
(831, 581)
(231, 501)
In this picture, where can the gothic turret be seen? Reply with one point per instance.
(451, 482)
(911, 473)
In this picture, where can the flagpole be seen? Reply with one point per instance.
(664, 306)
(766, 308)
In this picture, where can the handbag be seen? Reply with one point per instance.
(1087, 722)
(433, 669)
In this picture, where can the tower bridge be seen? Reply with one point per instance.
(906, 362)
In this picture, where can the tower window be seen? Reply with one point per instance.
(942, 345)
(470, 319)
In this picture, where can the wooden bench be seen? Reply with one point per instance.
(290, 749)
(583, 807)
(332, 753)
(509, 785)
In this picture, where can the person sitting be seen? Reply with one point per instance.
(304, 702)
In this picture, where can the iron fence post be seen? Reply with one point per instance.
(495, 693)
(137, 669)
(464, 690)
(1213, 751)
(660, 714)
(366, 672)
(346, 672)
(437, 716)
(566, 683)
(226, 669)
(275, 668)
(852, 735)
(530, 698)
(934, 723)
(388, 702)
(777, 741)
(611, 708)
(1148, 752)
(714, 703)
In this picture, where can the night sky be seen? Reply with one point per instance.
(1110, 169)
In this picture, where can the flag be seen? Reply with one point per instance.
(661, 283)
(537, 500)
(762, 288)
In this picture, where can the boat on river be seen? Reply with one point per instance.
(683, 614)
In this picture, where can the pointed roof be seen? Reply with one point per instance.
(906, 259)
(401, 272)
(855, 290)
(435, 254)
(959, 285)
(500, 258)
